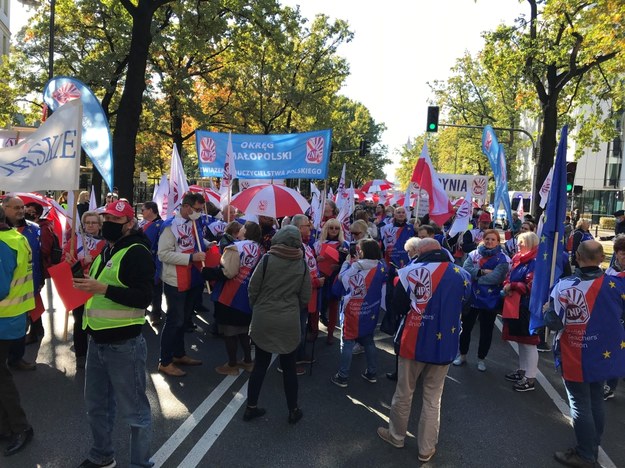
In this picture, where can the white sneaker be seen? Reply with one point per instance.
(481, 366)
(460, 360)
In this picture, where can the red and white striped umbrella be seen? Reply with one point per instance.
(209, 195)
(52, 211)
(270, 200)
(377, 185)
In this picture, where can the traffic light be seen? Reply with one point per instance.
(432, 124)
(571, 167)
(365, 148)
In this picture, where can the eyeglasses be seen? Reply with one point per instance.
(331, 228)
(91, 222)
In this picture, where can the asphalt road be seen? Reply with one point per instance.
(197, 419)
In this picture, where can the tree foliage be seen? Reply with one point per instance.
(560, 63)
(163, 68)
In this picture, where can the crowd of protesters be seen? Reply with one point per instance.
(274, 284)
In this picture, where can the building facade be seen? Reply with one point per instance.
(5, 27)
(600, 174)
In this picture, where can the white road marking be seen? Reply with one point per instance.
(169, 447)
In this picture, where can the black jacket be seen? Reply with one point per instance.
(137, 273)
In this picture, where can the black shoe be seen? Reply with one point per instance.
(252, 413)
(18, 441)
(89, 464)
(295, 415)
(392, 376)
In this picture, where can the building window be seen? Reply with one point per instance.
(614, 157)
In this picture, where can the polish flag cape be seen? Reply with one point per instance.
(425, 176)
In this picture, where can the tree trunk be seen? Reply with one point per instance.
(546, 154)
(130, 105)
(176, 125)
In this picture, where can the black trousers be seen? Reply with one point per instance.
(81, 339)
(12, 416)
(289, 377)
(487, 322)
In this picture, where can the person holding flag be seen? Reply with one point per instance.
(180, 255)
(120, 279)
(363, 278)
(586, 309)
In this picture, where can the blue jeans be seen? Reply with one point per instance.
(116, 377)
(179, 310)
(347, 346)
(587, 411)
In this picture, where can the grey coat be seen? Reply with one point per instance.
(276, 297)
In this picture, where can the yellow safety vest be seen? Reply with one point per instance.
(21, 297)
(100, 312)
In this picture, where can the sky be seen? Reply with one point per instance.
(398, 47)
(401, 45)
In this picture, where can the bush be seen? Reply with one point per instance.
(607, 223)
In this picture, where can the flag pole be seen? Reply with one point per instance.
(554, 258)
(199, 247)
(72, 251)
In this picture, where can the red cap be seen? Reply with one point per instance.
(119, 208)
(484, 218)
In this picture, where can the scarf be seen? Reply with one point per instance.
(484, 252)
(520, 258)
(284, 251)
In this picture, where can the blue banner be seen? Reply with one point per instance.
(96, 135)
(494, 152)
(281, 156)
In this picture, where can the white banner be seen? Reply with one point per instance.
(457, 185)
(49, 158)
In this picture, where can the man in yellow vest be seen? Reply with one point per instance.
(121, 280)
(17, 297)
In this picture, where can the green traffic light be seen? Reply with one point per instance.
(569, 187)
(432, 126)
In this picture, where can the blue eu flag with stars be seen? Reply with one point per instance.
(551, 239)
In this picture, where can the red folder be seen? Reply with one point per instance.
(330, 259)
(71, 297)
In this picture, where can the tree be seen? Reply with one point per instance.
(572, 57)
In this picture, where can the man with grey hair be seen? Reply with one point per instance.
(309, 316)
(428, 341)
